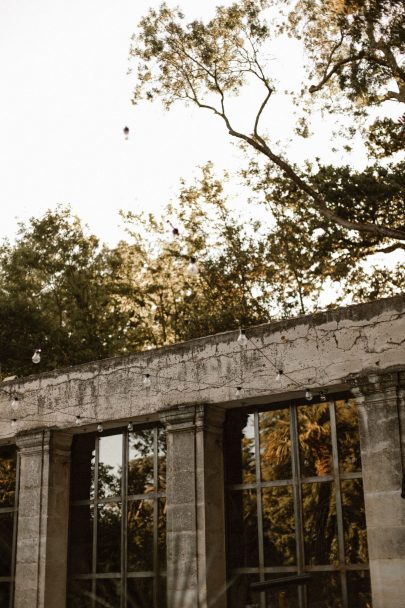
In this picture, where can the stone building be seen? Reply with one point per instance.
(199, 474)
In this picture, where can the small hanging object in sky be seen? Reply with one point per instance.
(192, 268)
(175, 230)
(126, 132)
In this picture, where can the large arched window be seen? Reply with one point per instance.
(117, 547)
(295, 505)
(8, 522)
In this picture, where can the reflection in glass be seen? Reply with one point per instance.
(140, 462)
(359, 589)
(275, 445)
(242, 529)
(240, 593)
(83, 458)
(140, 535)
(110, 466)
(109, 538)
(282, 597)
(81, 539)
(8, 457)
(79, 594)
(324, 591)
(348, 436)
(248, 450)
(4, 594)
(354, 521)
(162, 533)
(108, 593)
(140, 593)
(6, 543)
(278, 526)
(320, 528)
(315, 440)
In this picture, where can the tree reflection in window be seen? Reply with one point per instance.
(295, 504)
(117, 547)
(8, 522)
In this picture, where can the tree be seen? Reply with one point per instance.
(59, 291)
(353, 44)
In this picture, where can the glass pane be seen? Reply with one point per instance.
(162, 590)
(140, 593)
(348, 436)
(324, 591)
(110, 466)
(282, 597)
(162, 534)
(240, 593)
(320, 528)
(81, 540)
(359, 589)
(275, 445)
(314, 440)
(83, 458)
(8, 458)
(79, 594)
(140, 462)
(109, 538)
(354, 521)
(242, 529)
(278, 526)
(162, 450)
(248, 451)
(4, 594)
(6, 543)
(140, 535)
(108, 593)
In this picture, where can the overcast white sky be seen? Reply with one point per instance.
(65, 98)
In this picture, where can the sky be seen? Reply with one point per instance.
(66, 97)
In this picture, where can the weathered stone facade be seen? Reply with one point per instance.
(358, 348)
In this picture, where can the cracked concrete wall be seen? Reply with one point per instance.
(324, 350)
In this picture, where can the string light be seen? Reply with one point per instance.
(308, 395)
(242, 338)
(239, 391)
(279, 377)
(78, 420)
(14, 401)
(100, 428)
(192, 268)
(130, 426)
(322, 396)
(147, 381)
(36, 357)
(13, 422)
(126, 132)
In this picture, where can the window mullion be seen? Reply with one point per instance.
(95, 517)
(124, 517)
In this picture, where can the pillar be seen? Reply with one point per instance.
(382, 464)
(43, 511)
(196, 569)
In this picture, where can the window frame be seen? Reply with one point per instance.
(14, 510)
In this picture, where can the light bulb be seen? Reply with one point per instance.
(99, 428)
(78, 420)
(242, 338)
(147, 381)
(36, 357)
(126, 132)
(14, 401)
(322, 396)
(13, 422)
(279, 377)
(192, 268)
(130, 426)
(238, 391)
(308, 395)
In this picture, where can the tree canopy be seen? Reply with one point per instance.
(354, 62)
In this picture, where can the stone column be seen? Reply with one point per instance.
(196, 569)
(43, 511)
(382, 463)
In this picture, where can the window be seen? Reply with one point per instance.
(8, 522)
(117, 546)
(295, 505)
